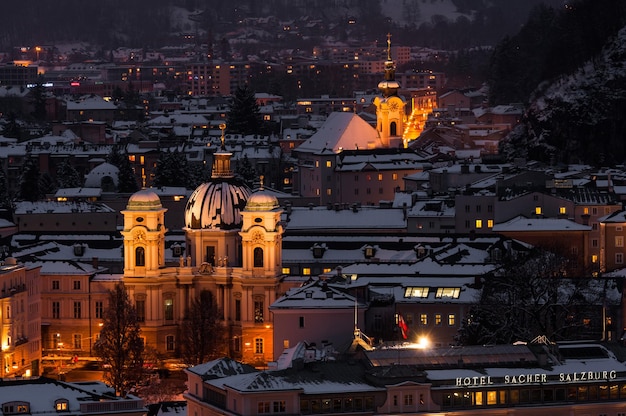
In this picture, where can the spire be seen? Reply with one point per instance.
(389, 86)
(221, 159)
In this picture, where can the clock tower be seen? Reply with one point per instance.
(390, 113)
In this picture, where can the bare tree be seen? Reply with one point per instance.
(531, 296)
(203, 334)
(120, 347)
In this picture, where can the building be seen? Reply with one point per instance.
(43, 396)
(520, 380)
(20, 330)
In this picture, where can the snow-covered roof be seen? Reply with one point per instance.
(521, 223)
(342, 130)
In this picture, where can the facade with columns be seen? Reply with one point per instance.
(233, 241)
(232, 249)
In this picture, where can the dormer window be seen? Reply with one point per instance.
(318, 251)
(15, 408)
(62, 405)
(369, 252)
(139, 219)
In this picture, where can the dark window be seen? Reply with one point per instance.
(77, 310)
(301, 322)
(140, 256)
(99, 309)
(258, 257)
(56, 310)
(169, 342)
(140, 306)
(237, 309)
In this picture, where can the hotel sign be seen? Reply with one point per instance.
(533, 378)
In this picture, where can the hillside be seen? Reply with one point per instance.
(580, 116)
(154, 23)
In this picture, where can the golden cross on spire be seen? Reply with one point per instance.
(223, 127)
(389, 46)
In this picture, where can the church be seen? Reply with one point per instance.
(233, 249)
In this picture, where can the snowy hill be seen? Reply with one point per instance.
(579, 117)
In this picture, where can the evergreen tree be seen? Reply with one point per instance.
(67, 176)
(244, 116)
(246, 171)
(46, 184)
(29, 180)
(6, 202)
(38, 93)
(202, 333)
(171, 169)
(126, 177)
(12, 128)
(120, 347)
(198, 174)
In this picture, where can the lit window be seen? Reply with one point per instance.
(169, 309)
(286, 270)
(448, 292)
(259, 311)
(562, 210)
(306, 271)
(437, 319)
(317, 163)
(329, 191)
(594, 258)
(619, 241)
(537, 210)
(586, 211)
(489, 223)
(479, 223)
(329, 164)
(394, 176)
(416, 292)
(451, 319)
(424, 319)
(380, 176)
(258, 346)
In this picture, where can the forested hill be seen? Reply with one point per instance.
(579, 117)
(447, 24)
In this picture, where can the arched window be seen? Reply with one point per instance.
(258, 257)
(393, 129)
(140, 256)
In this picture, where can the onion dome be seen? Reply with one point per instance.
(262, 201)
(144, 200)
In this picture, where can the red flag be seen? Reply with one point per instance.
(403, 327)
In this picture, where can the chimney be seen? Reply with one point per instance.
(94, 262)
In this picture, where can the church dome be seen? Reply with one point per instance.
(262, 201)
(217, 204)
(144, 200)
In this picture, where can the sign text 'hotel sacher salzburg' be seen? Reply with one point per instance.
(531, 378)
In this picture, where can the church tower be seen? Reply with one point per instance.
(144, 235)
(261, 234)
(390, 112)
